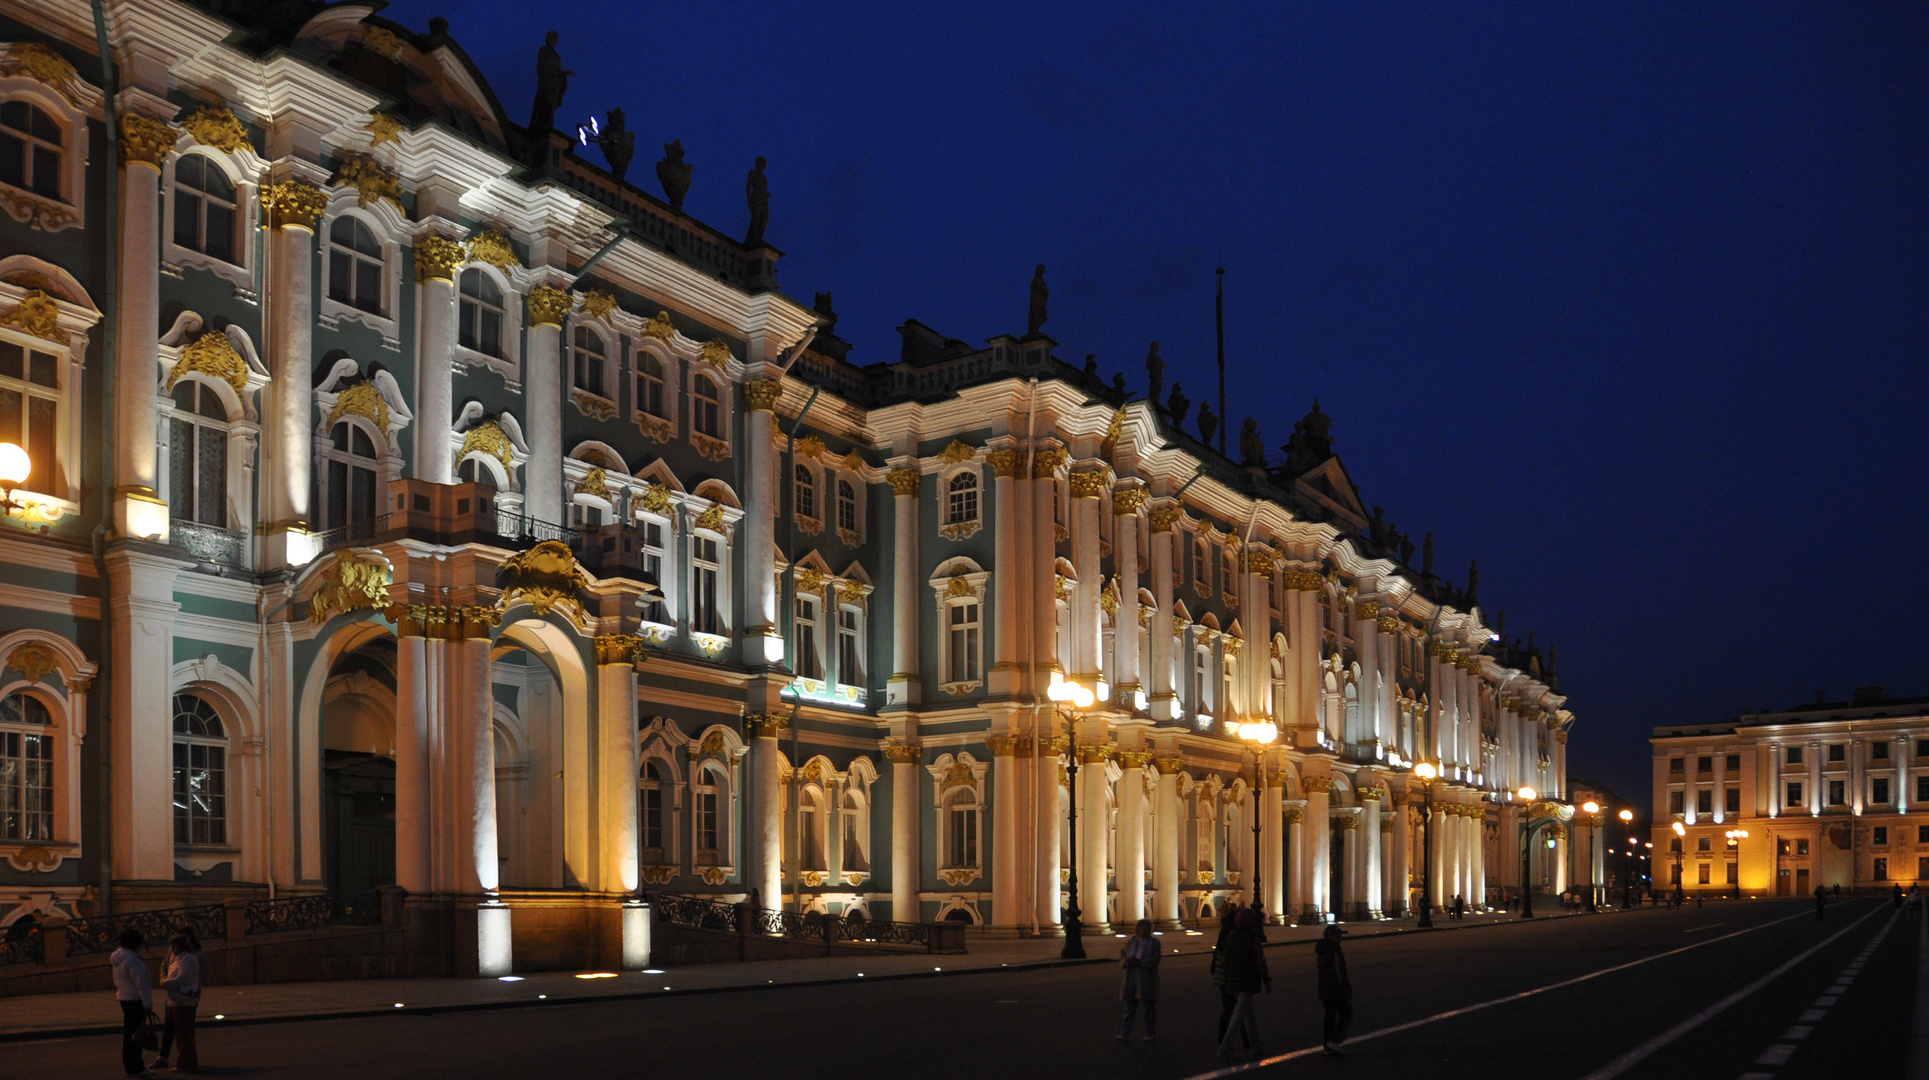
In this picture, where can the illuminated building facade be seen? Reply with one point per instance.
(414, 502)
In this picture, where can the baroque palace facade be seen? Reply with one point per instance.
(1830, 794)
(413, 502)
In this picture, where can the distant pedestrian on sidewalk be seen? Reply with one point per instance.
(1140, 958)
(1821, 901)
(1897, 890)
(1335, 989)
(183, 985)
(135, 991)
(1246, 975)
(1227, 999)
(1913, 906)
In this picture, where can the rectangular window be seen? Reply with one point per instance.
(1704, 764)
(1881, 834)
(1701, 874)
(1882, 869)
(26, 786)
(1675, 803)
(29, 403)
(653, 817)
(1922, 867)
(1922, 834)
(1922, 748)
(1200, 683)
(1879, 789)
(1879, 750)
(200, 794)
(1734, 763)
(850, 670)
(1794, 795)
(1794, 755)
(1704, 801)
(1734, 873)
(1731, 799)
(1801, 847)
(1838, 752)
(653, 552)
(1704, 843)
(1837, 791)
(964, 642)
(964, 834)
(1922, 789)
(706, 815)
(1674, 767)
(810, 665)
(705, 615)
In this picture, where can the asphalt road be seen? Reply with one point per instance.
(1560, 998)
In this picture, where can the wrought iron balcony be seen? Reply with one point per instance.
(221, 547)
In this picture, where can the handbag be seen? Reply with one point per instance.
(149, 1037)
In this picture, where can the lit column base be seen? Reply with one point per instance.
(140, 514)
(636, 935)
(493, 939)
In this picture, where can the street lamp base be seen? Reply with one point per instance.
(1074, 948)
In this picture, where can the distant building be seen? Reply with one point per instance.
(1829, 794)
(375, 538)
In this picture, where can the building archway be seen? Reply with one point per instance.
(358, 769)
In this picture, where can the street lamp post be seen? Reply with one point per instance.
(1735, 837)
(1528, 827)
(1079, 698)
(1427, 772)
(1680, 833)
(1594, 826)
(1257, 736)
(1627, 896)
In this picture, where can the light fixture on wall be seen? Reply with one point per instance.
(15, 467)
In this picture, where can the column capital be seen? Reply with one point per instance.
(1128, 498)
(1163, 518)
(1369, 609)
(620, 649)
(1168, 766)
(547, 306)
(760, 395)
(905, 753)
(1321, 784)
(1135, 759)
(437, 258)
(146, 141)
(1088, 484)
(765, 725)
(1045, 462)
(1001, 744)
(293, 204)
(1006, 464)
(905, 481)
(443, 622)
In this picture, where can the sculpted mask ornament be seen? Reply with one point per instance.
(352, 583)
(146, 141)
(382, 128)
(659, 326)
(544, 576)
(35, 315)
(212, 354)
(218, 127)
(364, 400)
(41, 64)
(489, 438)
(811, 580)
(33, 660)
(599, 304)
(956, 453)
(714, 352)
(380, 40)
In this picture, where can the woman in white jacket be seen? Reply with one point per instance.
(183, 985)
(136, 993)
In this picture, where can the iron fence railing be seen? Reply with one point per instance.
(708, 913)
(513, 526)
(354, 532)
(22, 948)
(102, 933)
(310, 912)
(222, 547)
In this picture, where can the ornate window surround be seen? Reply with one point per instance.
(514, 283)
(244, 421)
(962, 527)
(960, 581)
(73, 319)
(508, 476)
(244, 167)
(71, 115)
(956, 777)
(45, 656)
(346, 374)
(389, 227)
(656, 428)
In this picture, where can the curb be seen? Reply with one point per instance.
(489, 1006)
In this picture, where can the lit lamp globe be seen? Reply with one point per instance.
(1263, 732)
(1591, 806)
(1425, 770)
(1680, 829)
(1627, 816)
(1071, 693)
(15, 465)
(1527, 794)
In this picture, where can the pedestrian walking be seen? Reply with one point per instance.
(1821, 901)
(135, 991)
(183, 985)
(1335, 990)
(1227, 999)
(1913, 907)
(1246, 975)
(1140, 959)
(1896, 900)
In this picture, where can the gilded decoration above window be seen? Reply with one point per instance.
(217, 126)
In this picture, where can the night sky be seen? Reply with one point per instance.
(1628, 302)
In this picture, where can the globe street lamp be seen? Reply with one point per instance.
(1426, 771)
(1679, 833)
(1078, 698)
(1257, 736)
(1735, 837)
(1552, 814)
(1593, 810)
(1627, 822)
(15, 467)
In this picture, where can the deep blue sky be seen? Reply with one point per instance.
(1627, 301)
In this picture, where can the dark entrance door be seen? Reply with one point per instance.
(358, 839)
(1336, 865)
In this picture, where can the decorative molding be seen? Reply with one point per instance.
(381, 128)
(714, 352)
(1316, 783)
(33, 660)
(41, 64)
(218, 127)
(370, 180)
(211, 354)
(710, 520)
(956, 453)
(709, 447)
(489, 438)
(599, 304)
(544, 577)
(36, 315)
(594, 482)
(437, 258)
(655, 498)
(444, 622)
(361, 399)
(381, 40)
(658, 326)
(1045, 463)
(904, 753)
(905, 481)
(962, 530)
(490, 246)
(592, 405)
(811, 447)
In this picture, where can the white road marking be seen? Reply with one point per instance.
(1777, 1054)
(1640, 1053)
(1797, 1032)
(1699, 929)
(1812, 1015)
(1827, 1000)
(1233, 1070)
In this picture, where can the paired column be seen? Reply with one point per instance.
(906, 870)
(1353, 868)
(141, 597)
(764, 819)
(1126, 501)
(292, 207)
(437, 259)
(763, 641)
(1297, 889)
(1163, 700)
(1130, 867)
(903, 686)
(1320, 841)
(1271, 849)
(1094, 838)
(416, 684)
(1045, 796)
(1088, 486)
(1259, 629)
(1400, 855)
(1366, 639)
(138, 507)
(1165, 857)
(1005, 911)
(1371, 799)
(543, 401)
(1006, 673)
(616, 658)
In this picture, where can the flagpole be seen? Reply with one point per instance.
(1219, 318)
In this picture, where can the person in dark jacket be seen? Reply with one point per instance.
(1140, 959)
(1246, 975)
(1335, 989)
(1226, 997)
(1821, 901)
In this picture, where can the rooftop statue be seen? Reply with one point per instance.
(674, 174)
(1252, 448)
(1177, 404)
(823, 308)
(756, 192)
(1118, 383)
(1035, 320)
(552, 81)
(1154, 374)
(1091, 367)
(1208, 423)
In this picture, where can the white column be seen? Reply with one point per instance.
(290, 326)
(1320, 836)
(141, 597)
(1270, 859)
(1165, 861)
(543, 400)
(1258, 565)
(1367, 643)
(1094, 835)
(1478, 823)
(1298, 892)
(1045, 789)
(1719, 801)
(1006, 673)
(763, 641)
(1126, 501)
(903, 686)
(1131, 829)
(1352, 873)
(616, 657)
(906, 871)
(1399, 897)
(436, 261)
(764, 799)
(471, 721)
(1775, 787)
(139, 509)
(1306, 654)
(414, 684)
(1087, 487)
(1005, 911)
(1164, 702)
(1373, 886)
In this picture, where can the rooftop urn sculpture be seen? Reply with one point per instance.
(674, 174)
(1177, 404)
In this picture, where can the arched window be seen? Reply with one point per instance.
(961, 829)
(708, 806)
(706, 417)
(200, 773)
(26, 769)
(197, 475)
(655, 821)
(30, 403)
(354, 264)
(351, 477)
(481, 320)
(846, 506)
(962, 499)
(589, 362)
(204, 207)
(811, 823)
(856, 830)
(1233, 833)
(473, 471)
(30, 149)
(649, 385)
(806, 498)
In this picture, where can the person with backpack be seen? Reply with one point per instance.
(1335, 989)
(1245, 970)
(1140, 958)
